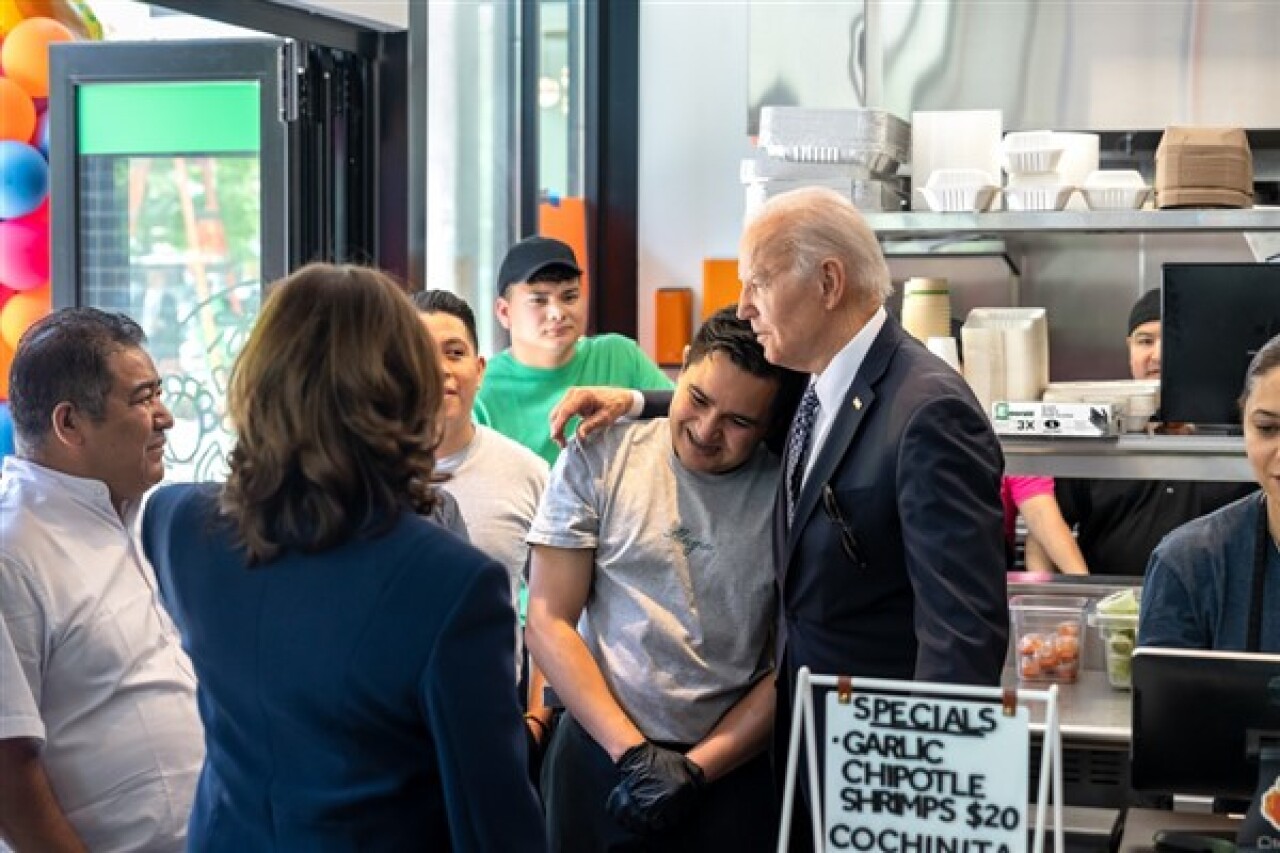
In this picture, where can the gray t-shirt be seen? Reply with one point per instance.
(682, 600)
(497, 484)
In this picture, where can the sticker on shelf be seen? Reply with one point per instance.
(1057, 420)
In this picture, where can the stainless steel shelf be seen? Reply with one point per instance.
(897, 226)
(1130, 457)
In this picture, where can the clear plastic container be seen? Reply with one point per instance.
(1116, 618)
(1047, 634)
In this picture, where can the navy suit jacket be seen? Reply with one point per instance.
(913, 468)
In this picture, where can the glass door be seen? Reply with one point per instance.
(170, 206)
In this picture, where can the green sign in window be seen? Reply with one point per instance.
(188, 117)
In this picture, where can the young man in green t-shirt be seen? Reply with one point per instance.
(541, 303)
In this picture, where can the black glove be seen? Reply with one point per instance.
(658, 789)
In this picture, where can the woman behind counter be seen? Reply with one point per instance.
(354, 660)
(1214, 583)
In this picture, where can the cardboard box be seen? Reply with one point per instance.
(1204, 158)
(1200, 197)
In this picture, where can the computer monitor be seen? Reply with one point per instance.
(1192, 714)
(1214, 318)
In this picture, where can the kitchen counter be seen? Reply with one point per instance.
(1090, 710)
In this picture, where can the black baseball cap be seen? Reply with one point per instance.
(531, 256)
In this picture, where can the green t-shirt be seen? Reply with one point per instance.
(516, 399)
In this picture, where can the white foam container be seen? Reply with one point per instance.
(1054, 197)
(971, 199)
(949, 139)
(1032, 162)
(1115, 198)
(1114, 178)
(1031, 152)
(960, 190)
(1079, 158)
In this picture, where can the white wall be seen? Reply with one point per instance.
(693, 132)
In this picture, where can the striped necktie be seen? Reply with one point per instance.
(798, 447)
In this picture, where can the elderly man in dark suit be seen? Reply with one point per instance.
(887, 544)
(887, 527)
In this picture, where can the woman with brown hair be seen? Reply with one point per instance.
(354, 660)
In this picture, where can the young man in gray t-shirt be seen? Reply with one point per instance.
(651, 606)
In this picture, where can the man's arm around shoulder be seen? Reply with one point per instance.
(601, 407)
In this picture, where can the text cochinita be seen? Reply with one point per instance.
(843, 837)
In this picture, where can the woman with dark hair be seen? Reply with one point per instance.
(354, 660)
(1214, 583)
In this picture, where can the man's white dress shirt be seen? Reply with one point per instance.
(833, 383)
(91, 666)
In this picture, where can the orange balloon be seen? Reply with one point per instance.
(6, 359)
(21, 311)
(10, 16)
(17, 113)
(25, 53)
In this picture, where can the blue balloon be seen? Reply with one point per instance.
(24, 179)
(6, 431)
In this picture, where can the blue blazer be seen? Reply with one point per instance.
(360, 698)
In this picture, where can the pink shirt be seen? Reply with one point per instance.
(1015, 490)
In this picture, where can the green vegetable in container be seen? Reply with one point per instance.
(1117, 618)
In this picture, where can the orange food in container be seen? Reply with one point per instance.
(1047, 636)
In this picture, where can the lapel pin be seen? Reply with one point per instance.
(857, 403)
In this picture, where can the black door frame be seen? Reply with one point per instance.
(377, 223)
(77, 64)
(611, 119)
(610, 111)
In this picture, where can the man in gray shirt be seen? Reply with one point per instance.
(651, 604)
(495, 481)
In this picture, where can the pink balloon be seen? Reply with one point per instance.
(38, 217)
(24, 253)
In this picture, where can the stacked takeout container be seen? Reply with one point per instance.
(856, 152)
(1031, 159)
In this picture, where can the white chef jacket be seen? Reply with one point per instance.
(90, 664)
